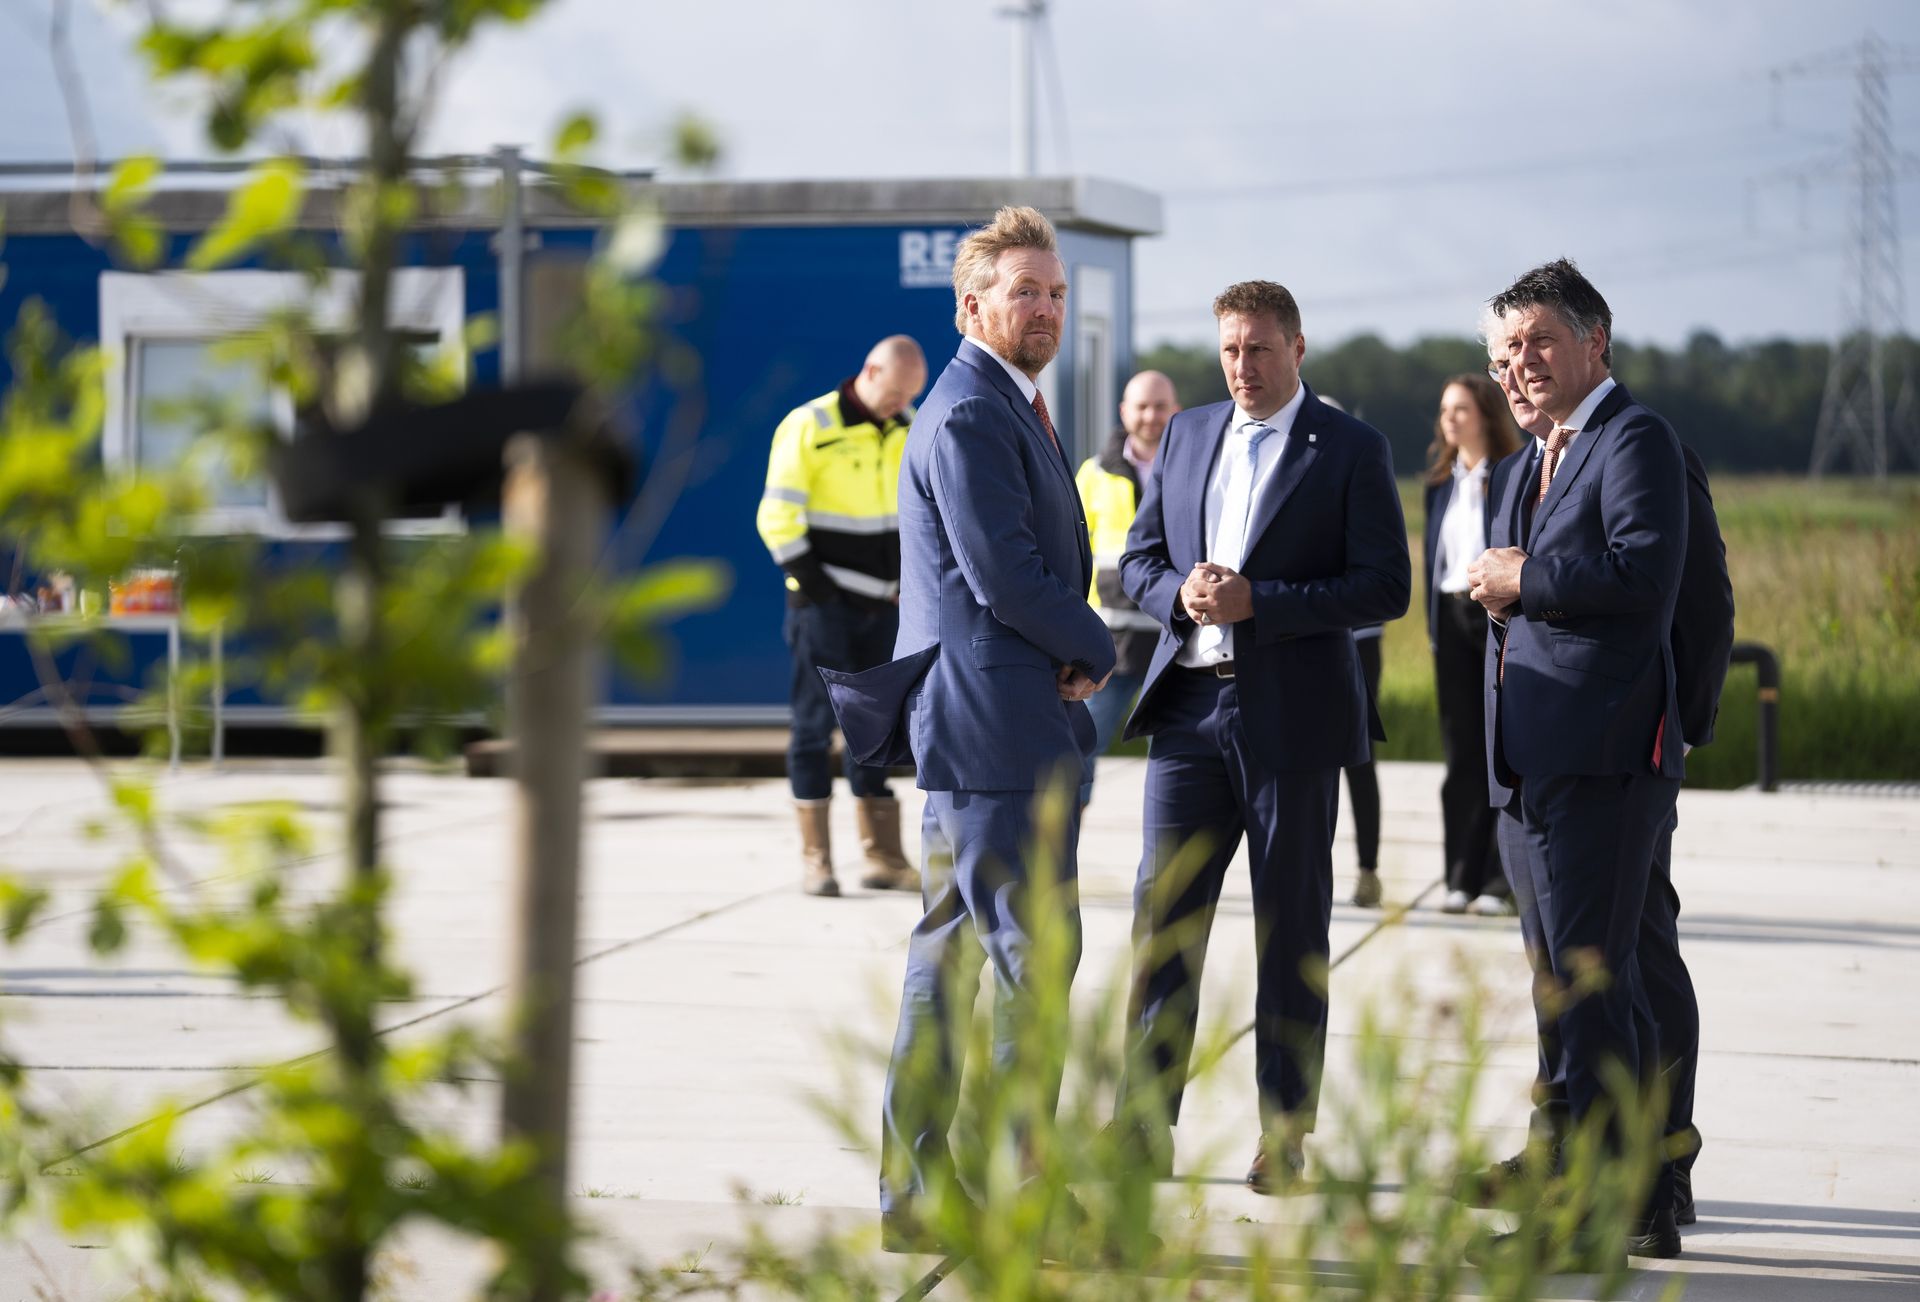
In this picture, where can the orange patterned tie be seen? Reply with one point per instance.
(1556, 440)
(1046, 421)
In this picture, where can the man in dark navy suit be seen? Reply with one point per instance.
(1702, 641)
(1584, 734)
(1269, 529)
(997, 653)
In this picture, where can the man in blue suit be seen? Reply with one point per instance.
(1584, 735)
(1702, 641)
(1269, 529)
(997, 653)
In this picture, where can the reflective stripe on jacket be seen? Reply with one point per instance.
(829, 514)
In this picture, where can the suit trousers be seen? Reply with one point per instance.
(981, 890)
(832, 635)
(1205, 793)
(1363, 782)
(1670, 1001)
(1468, 823)
(1584, 848)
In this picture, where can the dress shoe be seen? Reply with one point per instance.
(1585, 1253)
(1278, 1165)
(1486, 1188)
(1683, 1213)
(907, 1228)
(1140, 1146)
(1366, 889)
(1492, 906)
(1456, 902)
(1657, 1236)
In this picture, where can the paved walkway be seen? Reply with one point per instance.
(713, 995)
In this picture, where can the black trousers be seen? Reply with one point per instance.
(1205, 794)
(838, 635)
(1470, 829)
(1363, 784)
(1583, 852)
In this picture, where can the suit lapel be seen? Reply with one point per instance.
(1509, 507)
(1574, 459)
(995, 377)
(1206, 455)
(1436, 514)
(1297, 456)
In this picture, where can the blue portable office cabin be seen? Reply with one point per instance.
(777, 288)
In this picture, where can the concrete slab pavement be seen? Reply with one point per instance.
(716, 1001)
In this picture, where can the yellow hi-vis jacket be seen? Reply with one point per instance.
(1110, 491)
(830, 513)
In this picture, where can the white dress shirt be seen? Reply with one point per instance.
(1462, 533)
(1027, 387)
(1232, 449)
(1578, 421)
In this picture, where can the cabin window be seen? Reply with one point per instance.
(172, 373)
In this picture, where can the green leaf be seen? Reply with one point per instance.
(19, 906)
(575, 134)
(669, 590)
(130, 182)
(264, 207)
(109, 929)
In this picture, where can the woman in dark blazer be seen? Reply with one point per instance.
(1472, 432)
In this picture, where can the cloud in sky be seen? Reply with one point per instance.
(1393, 161)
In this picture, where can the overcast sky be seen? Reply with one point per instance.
(1394, 162)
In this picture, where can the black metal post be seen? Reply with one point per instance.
(1767, 665)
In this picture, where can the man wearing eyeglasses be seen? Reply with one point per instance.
(1584, 735)
(1702, 640)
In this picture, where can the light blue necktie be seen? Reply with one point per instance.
(1236, 511)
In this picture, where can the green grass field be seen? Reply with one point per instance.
(1826, 574)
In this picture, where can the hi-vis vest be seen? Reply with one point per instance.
(1111, 500)
(833, 492)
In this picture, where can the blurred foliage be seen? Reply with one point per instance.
(385, 632)
(1048, 1204)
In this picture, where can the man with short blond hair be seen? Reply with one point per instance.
(997, 655)
(1269, 530)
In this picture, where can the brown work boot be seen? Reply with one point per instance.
(887, 866)
(816, 848)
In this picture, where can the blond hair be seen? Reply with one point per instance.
(976, 261)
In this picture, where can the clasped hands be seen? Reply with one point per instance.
(1493, 579)
(1214, 594)
(1074, 685)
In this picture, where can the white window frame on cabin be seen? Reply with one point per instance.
(204, 306)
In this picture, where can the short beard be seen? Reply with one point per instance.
(1028, 353)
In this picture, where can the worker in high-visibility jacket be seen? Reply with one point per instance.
(830, 516)
(1110, 490)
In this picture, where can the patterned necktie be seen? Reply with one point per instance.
(1549, 462)
(1236, 510)
(1046, 421)
(1556, 440)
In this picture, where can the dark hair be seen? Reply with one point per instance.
(1251, 297)
(1560, 286)
(1503, 437)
